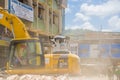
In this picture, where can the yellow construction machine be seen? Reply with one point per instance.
(26, 54)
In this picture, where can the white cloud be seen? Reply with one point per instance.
(114, 22)
(109, 8)
(68, 10)
(88, 1)
(85, 26)
(88, 26)
(73, 27)
(80, 16)
(74, 0)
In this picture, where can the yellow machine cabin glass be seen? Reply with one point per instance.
(25, 54)
(3, 55)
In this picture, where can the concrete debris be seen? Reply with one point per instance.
(13, 77)
(55, 77)
(34, 77)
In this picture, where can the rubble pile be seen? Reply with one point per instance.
(34, 77)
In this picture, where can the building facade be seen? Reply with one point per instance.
(96, 45)
(44, 17)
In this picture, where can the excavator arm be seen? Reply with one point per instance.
(14, 24)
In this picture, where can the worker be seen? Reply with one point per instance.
(21, 54)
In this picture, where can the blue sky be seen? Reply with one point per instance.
(93, 15)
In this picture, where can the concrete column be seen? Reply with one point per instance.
(60, 21)
(47, 18)
(6, 4)
(30, 3)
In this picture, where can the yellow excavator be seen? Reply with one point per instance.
(26, 54)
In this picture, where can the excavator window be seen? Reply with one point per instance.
(21, 53)
(25, 54)
(3, 55)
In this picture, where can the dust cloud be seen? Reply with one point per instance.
(91, 69)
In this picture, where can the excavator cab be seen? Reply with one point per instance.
(25, 53)
(25, 57)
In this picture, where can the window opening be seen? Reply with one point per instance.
(27, 2)
(55, 18)
(50, 17)
(40, 12)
